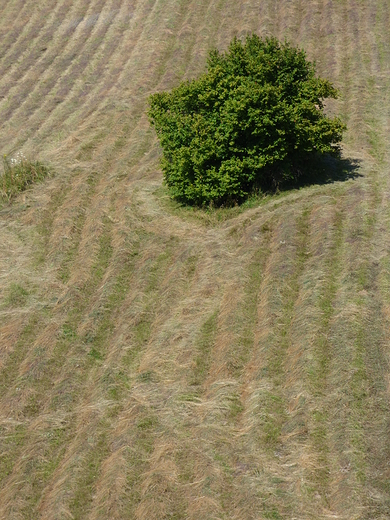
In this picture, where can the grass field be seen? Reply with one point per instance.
(158, 362)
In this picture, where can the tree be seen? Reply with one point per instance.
(254, 120)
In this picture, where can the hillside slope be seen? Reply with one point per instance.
(161, 363)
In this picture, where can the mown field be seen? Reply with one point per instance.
(158, 362)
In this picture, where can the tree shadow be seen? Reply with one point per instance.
(324, 170)
(313, 170)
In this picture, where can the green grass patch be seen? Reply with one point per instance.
(82, 499)
(142, 331)
(149, 376)
(16, 296)
(11, 444)
(289, 293)
(38, 471)
(272, 514)
(319, 370)
(209, 215)
(94, 354)
(67, 332)
(44, 227)
(78, 224)
(105, 252)
(239, 354)
(205, 344)
(272, 416)
(235, 405)
(19, 174)
(115, 383)
(12, 364)
(191, 397)
(147, 423)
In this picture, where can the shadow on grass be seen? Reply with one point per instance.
(323, 170)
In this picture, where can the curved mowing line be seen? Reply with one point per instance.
(382, 34)
(138, 112)
(152, 308)
(255, 16)
(349, 371)
(97, 74)
(77, 228)
(29, 33)
(334, 354)
(75, 205)
(67, 91)
(371, 409)
(79, 501)
(17, 81)
(297, 397)
(310, 19)
(44, 80)
(311, 416)
(11, 12)
(43, 65)
(326, 60)
(33, 55)
(320, 366)
(365, 349)
(171, 60)
(76, 314)
(55, 30)
(11, 28)
(368, 382)
(50, 79)
(45, 223)
(357, 339)
(138, 469)
(11, 367)
(201, 39)
(84, 504)
(102, 460)
(377, 326)
(64, 86)
(88, 110)
(165, 63)
(263, 394)
(117, 76)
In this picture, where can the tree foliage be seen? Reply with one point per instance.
(253, 120)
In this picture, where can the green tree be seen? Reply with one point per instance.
(254, 120)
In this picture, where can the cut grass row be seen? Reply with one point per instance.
(69, 337)
(30, 55)
(165, 447)
(50, 78)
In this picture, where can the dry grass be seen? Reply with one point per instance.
(164, 363)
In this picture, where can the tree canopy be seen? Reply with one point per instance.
(255, 119)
